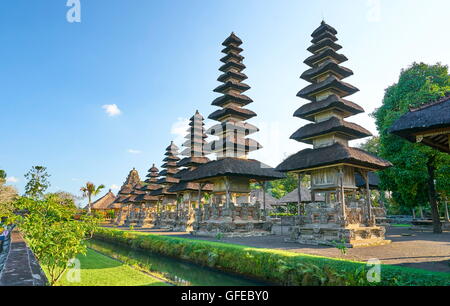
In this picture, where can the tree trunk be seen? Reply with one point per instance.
(89, 204)
(421, 212)
(437, 227)
(447, 214)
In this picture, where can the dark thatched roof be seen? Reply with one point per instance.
(232, 40)
(232, 111)
(232, 97)
(433, 117)
(292, 197)
(327, 42)
(374, 180)
(327, 52)
(188, 186)
(328, 65)
(335, 154)
(236, 167)
(331, 82)
(324, 27)
(348, 108)
(334, 124)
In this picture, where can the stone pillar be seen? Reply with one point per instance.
(342, 195)
(299, 194)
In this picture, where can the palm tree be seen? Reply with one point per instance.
(91, 190)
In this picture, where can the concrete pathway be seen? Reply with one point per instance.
(21, 267)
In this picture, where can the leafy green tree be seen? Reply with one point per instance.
(37, 182)
(64, 198)
(372, 145)
(2, 177)
(52, 232)
(415, 166)
(89, 191)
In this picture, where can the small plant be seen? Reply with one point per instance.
(131, 228)
(219, 236)
(341, 246)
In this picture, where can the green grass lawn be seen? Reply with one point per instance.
(99, 270)
(401, 225)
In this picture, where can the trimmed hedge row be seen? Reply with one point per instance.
(279, 267)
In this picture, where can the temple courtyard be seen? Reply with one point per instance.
(414, 249)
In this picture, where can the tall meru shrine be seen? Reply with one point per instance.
(207, 197)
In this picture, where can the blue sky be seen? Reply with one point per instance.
(158, 61)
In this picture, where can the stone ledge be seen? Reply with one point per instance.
(21, 267)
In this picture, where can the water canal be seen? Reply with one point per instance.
(179, 272)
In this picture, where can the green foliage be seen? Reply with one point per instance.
(372, 145)
(2, 177)
(417, 85)
(274, 266)
(341, 246)
(53, 234)
(37, 182)
(280, 188)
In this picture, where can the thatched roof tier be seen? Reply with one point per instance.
(305, 194)
(232, 65)
(188, 186)
(324, 27)
(162, 192)
(374, 181)
(327, 53)
(229, 85)
(190, 161)
(233, 167)
(169, 170)
(232, 40)
(323, 36)
(232, 127)
(232, 111)
(327, 42)
(232, 75)
(332, 84)
(332, 155)
(430, 124)
(104, 202)
(232, 97)
(237, 145)
(333, 102)
(167, 180)
(348, 130)
(232, 48)
(329, 66)
(232, 56)
(146, 198)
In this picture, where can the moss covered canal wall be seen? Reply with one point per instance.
(280, 267)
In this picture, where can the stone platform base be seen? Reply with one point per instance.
(348, 237)
(239, 228)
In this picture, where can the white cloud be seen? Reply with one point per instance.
(131, 151)
(12, 179)
(114, 187)
(179, 129)
(112, 110)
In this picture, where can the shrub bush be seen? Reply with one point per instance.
(279, 267)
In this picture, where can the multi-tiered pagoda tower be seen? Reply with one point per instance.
(148, 202)
(232, 130)
(125, 193)
(332, 162)
(166, 198)
(189, 193)
(232, 172)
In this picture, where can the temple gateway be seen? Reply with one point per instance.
(332, 163)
